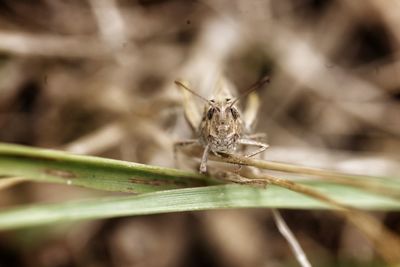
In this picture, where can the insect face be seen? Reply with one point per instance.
(222, 113)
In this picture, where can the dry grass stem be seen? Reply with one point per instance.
(291, 239)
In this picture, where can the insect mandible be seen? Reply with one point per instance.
(221, 129)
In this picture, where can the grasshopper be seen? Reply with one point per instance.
(221, 129)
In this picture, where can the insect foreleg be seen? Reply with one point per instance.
(203, 164)
(184, 143)
(204, 158)
(262, 146)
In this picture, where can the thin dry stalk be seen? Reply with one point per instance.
(291, 239)
(371, 184)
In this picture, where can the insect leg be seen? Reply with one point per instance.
(203, 164)
(256, 136)
(262, 146)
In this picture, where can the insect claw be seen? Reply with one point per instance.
(203, 168)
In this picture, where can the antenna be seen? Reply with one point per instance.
(253, 87)
(179, 83)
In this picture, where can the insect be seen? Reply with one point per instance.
(221, 129)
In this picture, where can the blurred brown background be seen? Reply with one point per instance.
(96, 77)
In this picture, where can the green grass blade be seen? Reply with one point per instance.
(190, 199)
(46, 165)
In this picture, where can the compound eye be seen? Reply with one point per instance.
(235, 113)
(210, 113)
(227, 99)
